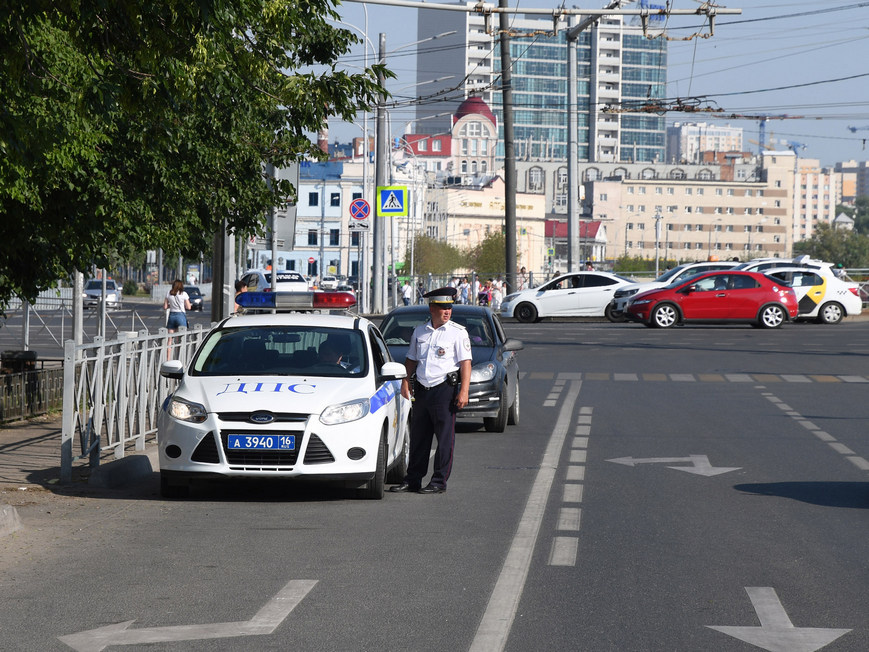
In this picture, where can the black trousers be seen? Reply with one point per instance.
(434, 415)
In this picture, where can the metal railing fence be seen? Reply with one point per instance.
(30, 393)
(112, 392)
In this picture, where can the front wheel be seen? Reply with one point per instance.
(513, 414)
(664, 316)
(498, 423)
(831, 313)
(772, 316)
(526, 313)
(375, 487)
(613, 315)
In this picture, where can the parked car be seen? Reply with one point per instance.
(195, 295)
(615, 310)
(286, 396)
(494, 389)
(584, 294)
(804, 261)
(716, 297)
(260, 280)
(825, 299)
(93, 294)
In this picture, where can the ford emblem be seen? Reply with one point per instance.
(262, 417)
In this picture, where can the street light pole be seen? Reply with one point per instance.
(380, 177)
(657, 242)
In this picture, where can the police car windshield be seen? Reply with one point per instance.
(282, 351)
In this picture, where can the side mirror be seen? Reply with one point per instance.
(513, 345)
(689, 289)
(172, 369)
(393, 371)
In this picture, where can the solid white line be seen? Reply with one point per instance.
(495, 625)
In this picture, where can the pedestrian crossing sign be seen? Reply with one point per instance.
(392, 200)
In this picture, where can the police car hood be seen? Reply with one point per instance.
(299, 394)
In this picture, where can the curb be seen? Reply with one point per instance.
(9, 520)
(126, 470)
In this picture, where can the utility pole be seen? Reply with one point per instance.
(573, 230)
(509, 156)
(381, 143)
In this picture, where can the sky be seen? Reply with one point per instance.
(808, 60)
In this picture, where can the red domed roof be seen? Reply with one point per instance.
(472, 106)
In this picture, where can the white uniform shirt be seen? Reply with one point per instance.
(438, 351)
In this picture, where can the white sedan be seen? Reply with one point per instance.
(287, 395)
(820, 295)
(579, 294)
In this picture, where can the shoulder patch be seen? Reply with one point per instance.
(455, 325)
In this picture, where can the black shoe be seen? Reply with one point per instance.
(432, 489)
(404, 487)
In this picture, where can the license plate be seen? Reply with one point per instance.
(261, 442)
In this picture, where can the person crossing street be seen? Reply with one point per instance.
(440, 358)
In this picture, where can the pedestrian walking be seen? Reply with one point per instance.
(420, 293)
(438, 365)
(177, 303)
(497, 293)
(406, 292)
(464, 291)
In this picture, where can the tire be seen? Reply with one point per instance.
(399, 470)
(375, 487)
(664, 315)
(498, 423)
(831, 313)
(513, 413)
(173, 490)
(526, 313)
(771, 316)
(613, 315)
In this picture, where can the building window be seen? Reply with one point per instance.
(422, 145)
(535, 180)
(333, 237)
(313, 199)
(436, 146)
(335, 199)
(312, 237)
(357, 195)
(354, 238)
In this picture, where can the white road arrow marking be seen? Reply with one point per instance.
(699, 464)
(776, 632)
(264, 622)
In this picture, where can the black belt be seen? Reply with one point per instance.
(422, 388)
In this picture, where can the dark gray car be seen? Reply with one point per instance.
(494, 390)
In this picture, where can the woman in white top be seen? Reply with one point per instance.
(177, 303)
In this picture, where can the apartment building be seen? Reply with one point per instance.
(687, 141)
(615, 65)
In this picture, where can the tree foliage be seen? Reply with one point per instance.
(859, 211)
(435, 257)
(489, 257)
(131, 125)
(844, 246)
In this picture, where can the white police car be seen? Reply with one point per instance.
(287, 395)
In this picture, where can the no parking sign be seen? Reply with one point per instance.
(359, 212)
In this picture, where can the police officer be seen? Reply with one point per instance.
(440, 356)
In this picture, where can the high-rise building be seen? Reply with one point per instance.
(686, 141)
(616, 66)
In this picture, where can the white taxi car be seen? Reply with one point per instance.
(287, 395)
(820, 295)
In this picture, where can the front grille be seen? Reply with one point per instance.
(317, 452)
(206, 451)
(259, 458)
(280, 417)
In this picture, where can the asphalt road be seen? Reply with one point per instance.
(690, 489)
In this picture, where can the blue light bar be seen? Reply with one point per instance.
(296, 300)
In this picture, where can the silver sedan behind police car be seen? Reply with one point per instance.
(287, 395)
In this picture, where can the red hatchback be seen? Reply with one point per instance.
(716, 297)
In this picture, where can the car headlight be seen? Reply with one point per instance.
(186, 410)
(640, 302)
(510, 297)
(483, 372)
(621, 294)
(345, 412)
